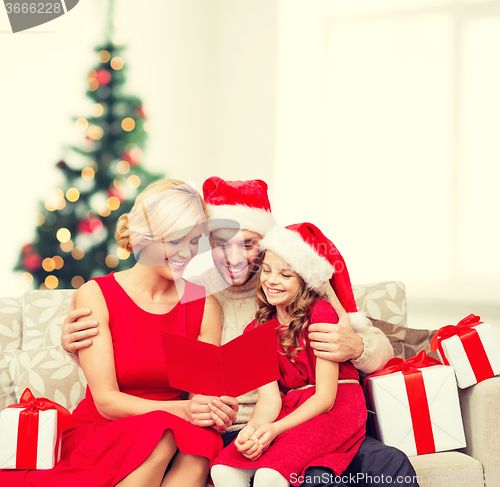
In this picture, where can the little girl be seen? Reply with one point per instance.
(315, 414)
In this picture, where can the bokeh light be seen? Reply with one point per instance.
(63, 235)
(67, 246)
(48, 264)
(77, 282)
(97, 110)
(128, 124)
(51, 282)
(77, 253)
(88, 173)
(95, 132)
(104, 212)
(122, 253)
(123, 167)
(117, 63)
(134, 181)
(81, 124)
(113, 203)
(112, 260)
(28, 278)
(72, 194)
(58, 261)
(103, 56)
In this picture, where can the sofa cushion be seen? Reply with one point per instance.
(447, 468)
(43, 316)
(10, 339)
(384, 301)
(47, 372)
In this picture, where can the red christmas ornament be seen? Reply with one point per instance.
(133, 156)
(103, 76)
(112, 191)
(32, 261)
(140, 111)
(27, 249)
(89, 225)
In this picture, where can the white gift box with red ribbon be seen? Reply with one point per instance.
(417, 410)
(471, 348)
(30, 433)
(45, 443)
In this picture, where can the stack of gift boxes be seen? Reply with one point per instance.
(416, 401)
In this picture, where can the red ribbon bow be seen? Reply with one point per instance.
(417, 397)
(474, 349)
(27, 438)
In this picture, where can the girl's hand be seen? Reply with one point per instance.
(247, 447)
(265, 435)
(242, 441)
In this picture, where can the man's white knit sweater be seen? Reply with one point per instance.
(238, 307)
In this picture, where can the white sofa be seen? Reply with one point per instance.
(31, 356)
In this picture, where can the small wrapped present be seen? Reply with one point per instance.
(471, 348)
(30, 433)
(416, 405)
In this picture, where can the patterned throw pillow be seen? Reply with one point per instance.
(396, 335)
(417, 340)
(407, 342)
(43, 316)
(47, 372)
(10, 339)
(384, 301)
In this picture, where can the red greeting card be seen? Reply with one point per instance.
(239, 366)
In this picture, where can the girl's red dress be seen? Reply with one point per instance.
(98, 452)
(328, 440)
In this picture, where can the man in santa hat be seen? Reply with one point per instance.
(240, 215)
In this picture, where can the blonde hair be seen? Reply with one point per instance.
(166, 208)
(292, 339)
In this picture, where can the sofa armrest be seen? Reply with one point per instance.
(480, 411)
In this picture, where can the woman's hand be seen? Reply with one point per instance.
(223, 411)
(210, 411)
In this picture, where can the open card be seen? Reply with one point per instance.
(239, 366)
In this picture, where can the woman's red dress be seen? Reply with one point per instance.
(98, 452)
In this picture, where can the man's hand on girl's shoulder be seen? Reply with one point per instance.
(76, 334)
(336, 342)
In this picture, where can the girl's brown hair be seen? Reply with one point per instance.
(298, 309)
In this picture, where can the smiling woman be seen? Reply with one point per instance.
(132, 427)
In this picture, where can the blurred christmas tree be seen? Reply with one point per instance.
(76, 224)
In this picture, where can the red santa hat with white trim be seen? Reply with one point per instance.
(316, 259)
(245, 202)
